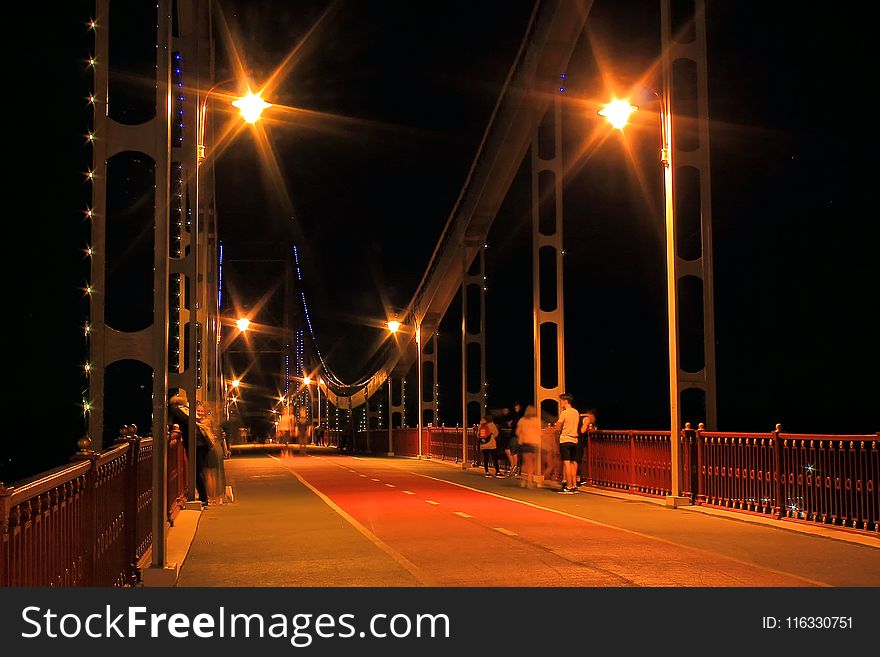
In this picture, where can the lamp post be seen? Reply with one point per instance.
(250, 107)
(617, 113)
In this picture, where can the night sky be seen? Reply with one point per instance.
(404, 91)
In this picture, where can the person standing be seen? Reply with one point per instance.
(567, 426)
(178, 410)
(303, 429)
(586, 422)
(513, 447)
(488, 435)
(286, 427)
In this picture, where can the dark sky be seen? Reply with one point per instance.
(795, 259)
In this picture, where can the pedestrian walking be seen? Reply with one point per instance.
(528, 430)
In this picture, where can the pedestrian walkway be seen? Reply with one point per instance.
(331, 520)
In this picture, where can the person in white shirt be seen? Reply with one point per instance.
(567, 426)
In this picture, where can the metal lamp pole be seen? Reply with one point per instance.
(617, 114)
(419, 368)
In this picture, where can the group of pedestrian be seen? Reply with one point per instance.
(299, 428)
(524, 444)
(211, 443)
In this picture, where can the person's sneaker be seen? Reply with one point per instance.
(582, 482)
(564, 490)
(574, 490)
(500, 475)
(487, 475)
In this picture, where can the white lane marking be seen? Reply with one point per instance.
(374, 479)
(420, 575)
(364, 476)
(432, 502)
(506, 532)
(391, 485)
(463, 514)
(409, 492)
(620, 529)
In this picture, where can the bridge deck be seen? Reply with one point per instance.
(331, 520)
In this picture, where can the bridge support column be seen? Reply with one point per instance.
(148, 345)
(473, 339)
(688, 210)
(547, 282)
(395, 408)
(429, 401)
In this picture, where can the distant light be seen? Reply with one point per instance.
(251, 107)
(243, 324)
(92, 99)
(617, 112)
(235, 383)
(307, 380)
(92, 24)
(393, 325)
(91, 61)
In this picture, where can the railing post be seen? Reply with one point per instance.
(777, 475)
(632, 461)
(589, 451)
(688, 461)
(88, 528)
(131, 499)
(701, 465)
(5, 492)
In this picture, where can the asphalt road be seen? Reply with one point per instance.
(331, 520)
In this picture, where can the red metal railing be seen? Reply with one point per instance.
(87, 523)
(830, 480)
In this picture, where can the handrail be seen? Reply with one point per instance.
(27, 489)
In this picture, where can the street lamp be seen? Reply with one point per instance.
(617, 112)
(243, 324)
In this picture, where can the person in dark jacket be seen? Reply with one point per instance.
(178, 410)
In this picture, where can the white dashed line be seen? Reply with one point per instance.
(364, 476)
(463, 514)
(391, 485)
(432, 502)
(375, 479)
(504, 531)
(409, 492)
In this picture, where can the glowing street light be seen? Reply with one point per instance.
(243, 324)
(617, 112)
(235, 383)
(251, 107)
(393, 325)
